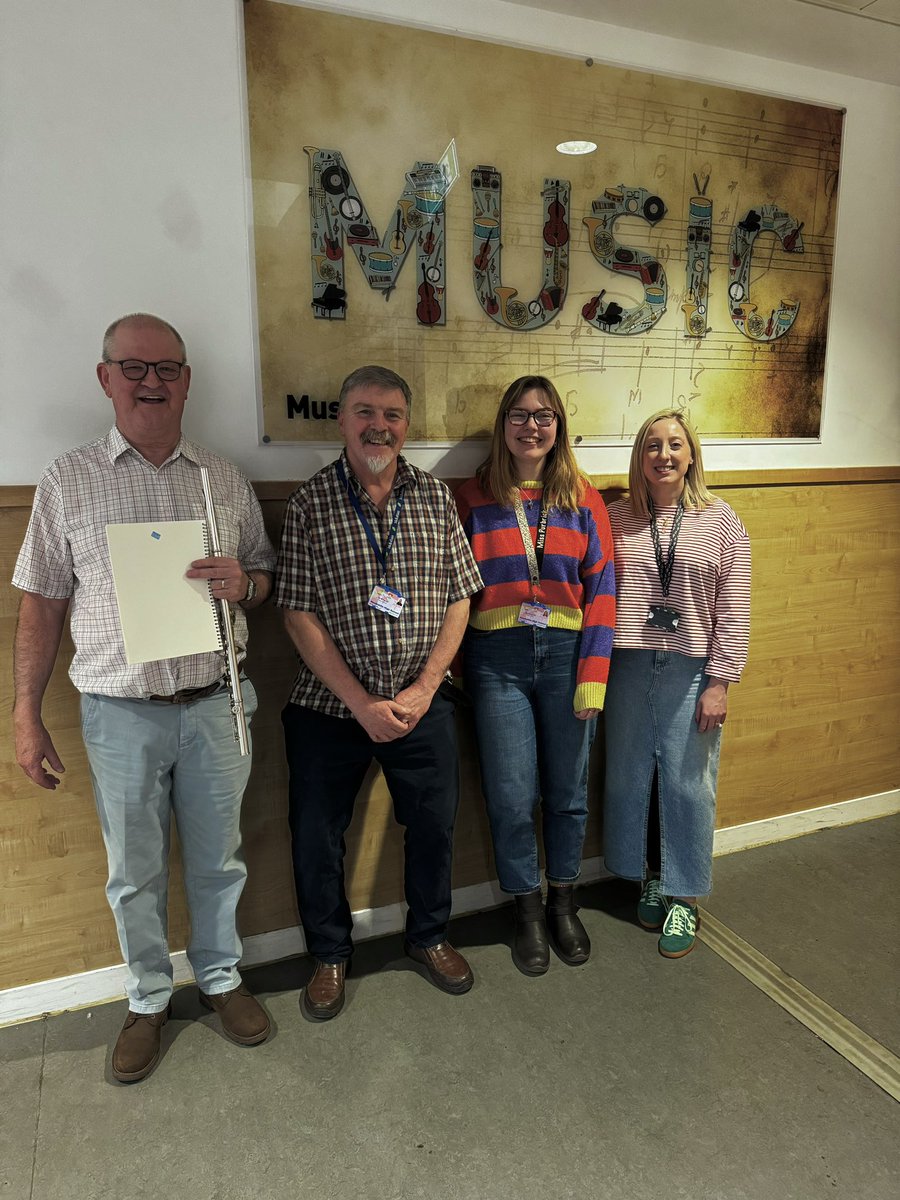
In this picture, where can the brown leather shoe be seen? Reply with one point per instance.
(137, 1049)
(448, 969)
(243, 1018)
(324, 995)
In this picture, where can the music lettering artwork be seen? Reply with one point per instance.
(686, 262)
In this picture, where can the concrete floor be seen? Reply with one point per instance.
(630, 1078)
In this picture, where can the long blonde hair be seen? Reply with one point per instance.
(563, 481)
(696, 494)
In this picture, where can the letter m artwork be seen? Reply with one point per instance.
(339, 222)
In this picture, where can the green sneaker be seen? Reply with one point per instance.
(651, 909)
(680, 930)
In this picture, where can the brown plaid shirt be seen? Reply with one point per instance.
(326, 566)
(65, 553)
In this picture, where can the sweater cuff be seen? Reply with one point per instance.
(589, 695)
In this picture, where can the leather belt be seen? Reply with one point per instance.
(189, 695)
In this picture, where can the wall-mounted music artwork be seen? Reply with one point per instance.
(686, 262)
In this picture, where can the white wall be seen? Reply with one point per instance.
(123, 186)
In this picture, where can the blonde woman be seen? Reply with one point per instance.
(536, 657)
(683, 580)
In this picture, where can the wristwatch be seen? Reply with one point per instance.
(251, 590)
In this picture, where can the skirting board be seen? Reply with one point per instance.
(107, 984)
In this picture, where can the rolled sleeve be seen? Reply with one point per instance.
(255, 552)
(295, 570)
(464, 577)
(45, 564)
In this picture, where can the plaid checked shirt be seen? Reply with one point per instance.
(65, 553)
(326, 566)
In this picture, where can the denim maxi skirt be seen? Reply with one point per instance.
(650, 726)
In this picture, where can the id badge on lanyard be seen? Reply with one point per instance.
(533, 612)
(387, 600)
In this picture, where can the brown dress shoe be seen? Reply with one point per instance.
(243, 1017)
(137, 1049)
(324, 995)
(447, 968)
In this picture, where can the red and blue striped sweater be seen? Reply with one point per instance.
(577, 576)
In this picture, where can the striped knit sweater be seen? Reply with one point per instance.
(577, 575)
(710, 585)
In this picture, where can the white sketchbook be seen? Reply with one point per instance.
(162, 613)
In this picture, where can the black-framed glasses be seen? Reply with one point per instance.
(135, 368)
(521, 416)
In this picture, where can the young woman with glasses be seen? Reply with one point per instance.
(536, 657)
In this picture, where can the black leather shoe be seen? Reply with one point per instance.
(531, 950)
(568, 935)
(324, 995)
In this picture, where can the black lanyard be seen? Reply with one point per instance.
(381, 554)
(665, 566)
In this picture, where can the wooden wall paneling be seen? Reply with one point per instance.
(813, 722)
(815, 719)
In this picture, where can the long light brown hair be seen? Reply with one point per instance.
(696, 494)
(563, 481)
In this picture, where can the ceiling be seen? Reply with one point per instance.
(851, 37)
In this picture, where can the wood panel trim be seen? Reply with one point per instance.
(22, 495)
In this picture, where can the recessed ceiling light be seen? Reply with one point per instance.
(577, 146)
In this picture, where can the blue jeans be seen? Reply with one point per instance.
(533, 749)
(148, 761)
(650, 727)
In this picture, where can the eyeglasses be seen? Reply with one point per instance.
(521, 416)
(136, 368)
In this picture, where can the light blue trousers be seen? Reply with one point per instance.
(149, 761)
(649, 719)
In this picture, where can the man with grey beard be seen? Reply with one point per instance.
(374, 575)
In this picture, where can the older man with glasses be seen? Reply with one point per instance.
(158, 734)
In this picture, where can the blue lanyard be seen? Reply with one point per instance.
(381, 554)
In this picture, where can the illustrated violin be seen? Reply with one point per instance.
(428, 245)
(482, 258)
(428, 311)
(556, 230)
(589, 311)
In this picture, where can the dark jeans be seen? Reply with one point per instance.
(328, 758)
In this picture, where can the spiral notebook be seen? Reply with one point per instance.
(162, 613)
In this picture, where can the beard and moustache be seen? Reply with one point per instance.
(379, 463)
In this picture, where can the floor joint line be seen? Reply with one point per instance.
(869, 1056)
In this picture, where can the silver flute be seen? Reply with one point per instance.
(232, 672)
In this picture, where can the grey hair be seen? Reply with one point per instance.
(139, 318)
(380, 377)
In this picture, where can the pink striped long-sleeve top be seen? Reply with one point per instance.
(710, 585)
